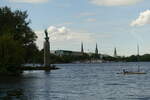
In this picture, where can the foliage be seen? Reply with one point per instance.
(11, 54)
(16, 39)
(16, 24)
(145, 57)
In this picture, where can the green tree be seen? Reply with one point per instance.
(16, 24)
(17, 40)
(11, 55)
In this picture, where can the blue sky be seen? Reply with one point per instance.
(109, 23)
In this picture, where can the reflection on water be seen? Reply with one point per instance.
(79, 82)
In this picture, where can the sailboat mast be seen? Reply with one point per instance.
(138, 59)
(138, 50)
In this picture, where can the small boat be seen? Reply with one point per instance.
(131, 72)
(128, 73)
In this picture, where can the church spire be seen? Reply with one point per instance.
(96, 49)
(82, 50)
(115, 52)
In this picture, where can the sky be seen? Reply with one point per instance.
(109, 23)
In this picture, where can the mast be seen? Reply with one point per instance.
(138, 58)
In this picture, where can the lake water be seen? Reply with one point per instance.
(82, 82)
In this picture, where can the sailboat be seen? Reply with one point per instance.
(132, 72)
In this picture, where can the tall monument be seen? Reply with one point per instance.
(46, 50)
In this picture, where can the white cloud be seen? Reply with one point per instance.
(114, 2)
(29, 1)
(54, 31)
(63, 35)
(143, 19)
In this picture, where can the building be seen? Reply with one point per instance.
(115, 52)
(82, 50)
(67, 53)
(96, 50)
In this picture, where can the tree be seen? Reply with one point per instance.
(16, 24)
(16, 40)
(11, 55)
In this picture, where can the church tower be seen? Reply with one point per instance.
(82, 50)
(115, 52)
(96, 50)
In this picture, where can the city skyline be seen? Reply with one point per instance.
(116, 23)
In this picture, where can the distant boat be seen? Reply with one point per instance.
(132, 72)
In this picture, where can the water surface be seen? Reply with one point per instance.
(82, 82)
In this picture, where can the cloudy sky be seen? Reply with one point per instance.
(109, 23)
